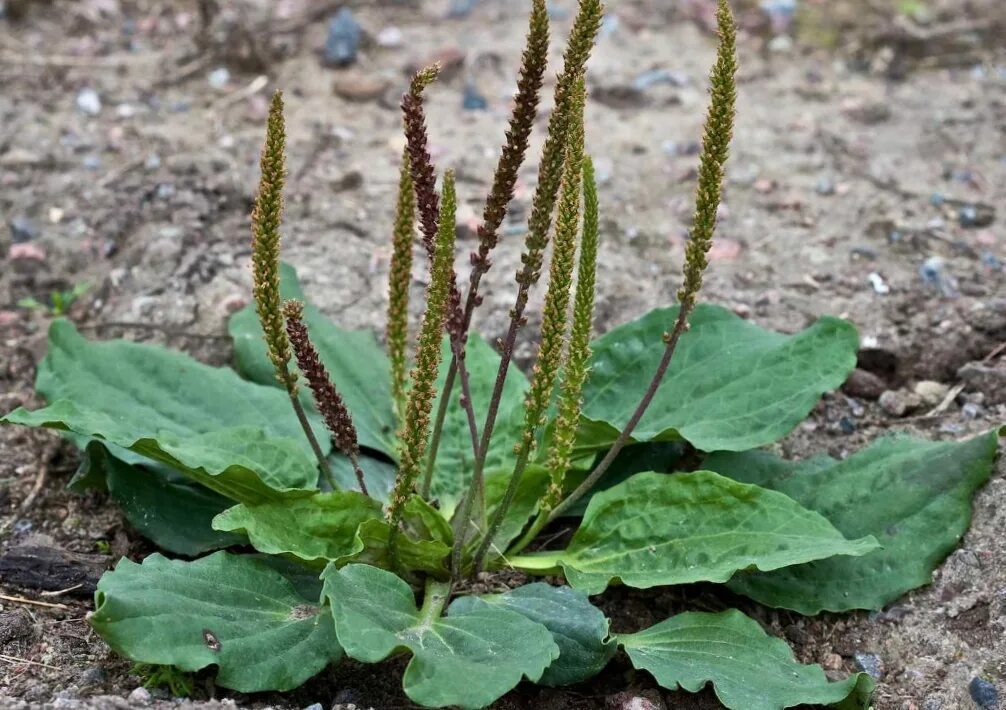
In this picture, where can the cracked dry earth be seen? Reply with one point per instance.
(839, 148)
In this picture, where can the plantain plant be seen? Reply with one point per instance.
(398, 480)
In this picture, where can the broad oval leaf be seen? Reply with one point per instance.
(237, 438)
(235, 612)
(658, 529)
(317, 529)
(469, 658)
(913, 495)
(358, 366)
(749, 669)
(454, 457)
(731, 385)
(578, 628)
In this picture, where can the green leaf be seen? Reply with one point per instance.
(358, 366)
(749, 669)
(320, 528)
(237, 438)
(731, 385)
(167, 509)
(423, 544)
(232, 611)
(913, 495)
(454, 457)
(656, 529)
(469, 658)
(237, 463)
(578, 628)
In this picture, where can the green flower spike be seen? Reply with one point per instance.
(266, 218)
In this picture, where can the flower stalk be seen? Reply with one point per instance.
(550, 170)
(554, 318)
(575, 368)
(715, 149)
(266, 219)
(327, 398)
(533, 63)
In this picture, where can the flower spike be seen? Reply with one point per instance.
(416, 426)
(399, 276)
(266, 218)
(576, 368)
(327, 398)
(715, 150)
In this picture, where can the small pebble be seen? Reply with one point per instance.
(825, 186)
(935, 275)
(360, 86)
(390, 37)
(23, 229)
(932, 393)
(870, 664)
(472, 100)
(140, 696)
(879, 285)
(864, 384)
(93, 676)
(26, 252)
(343, 40)
(219, 78)
(315, 706)
(847, 426)
(992, 262)
(832, 662)
(659, 76)
(897, 403)
(983, 693)
(970, 410)
(89, 102)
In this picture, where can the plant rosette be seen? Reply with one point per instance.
(375, 483)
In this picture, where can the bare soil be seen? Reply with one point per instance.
(845, 133)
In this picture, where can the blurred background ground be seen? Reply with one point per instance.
(868, 180)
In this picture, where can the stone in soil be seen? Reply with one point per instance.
(23, 229)
(898, 403)
(343, 39)
(140, 696)
(869, 663)
(932, 393)
(984, 694)
(864, 384)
